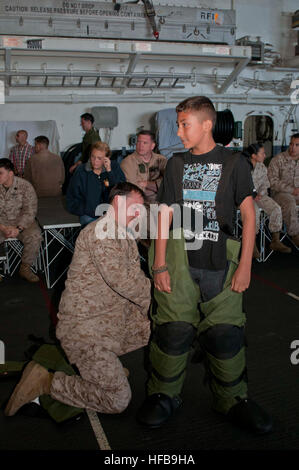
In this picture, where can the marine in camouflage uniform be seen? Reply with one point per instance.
(136, 170)
(144, 167)
(272, 209)
(18, 208)
(283, 173)
(102, 315)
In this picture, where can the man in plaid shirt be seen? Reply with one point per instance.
(20, 153)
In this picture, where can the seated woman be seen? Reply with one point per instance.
(91, 183)
(256, 153)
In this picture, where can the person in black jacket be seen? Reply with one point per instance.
(91, 184)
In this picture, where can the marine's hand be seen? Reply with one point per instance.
(5, 229)
(240, 280)
(12, 232)
(162, 282)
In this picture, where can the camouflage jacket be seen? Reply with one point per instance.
(260, 179)
(18, 205)
(106, 290)
(283, 173)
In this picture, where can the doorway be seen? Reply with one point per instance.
(259, 128)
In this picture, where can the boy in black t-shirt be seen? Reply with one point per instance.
(198, 276)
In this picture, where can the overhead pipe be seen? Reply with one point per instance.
(283, 100)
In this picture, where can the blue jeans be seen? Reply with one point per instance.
(210, 282)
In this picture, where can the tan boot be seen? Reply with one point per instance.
(256, 254)
(276, 244)
(26, 273)
(35, 381)
(295, 239)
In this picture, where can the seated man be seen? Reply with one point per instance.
(144, 167)
(283, 173)
(102, 315)
(18, 208)
(20, 153)
(45, 170)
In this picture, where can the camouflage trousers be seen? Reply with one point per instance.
(31, 238)
(288, 204)
(273, 211)
(102, 385)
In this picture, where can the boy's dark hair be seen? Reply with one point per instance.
(151, 134)
(87, 117)
(7, 164)
(198, 104)
(124, 189)
(42, 139)
(295, 136)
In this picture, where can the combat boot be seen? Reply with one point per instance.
(26, 273)
(157, 409)
(250, 416)
(295, 240)
(276, 244)
(35, 381)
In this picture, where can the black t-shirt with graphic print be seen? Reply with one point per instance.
(192, 182)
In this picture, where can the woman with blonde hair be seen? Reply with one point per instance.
(91, 183)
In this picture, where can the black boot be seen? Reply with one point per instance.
(248, 415)
(157, 409)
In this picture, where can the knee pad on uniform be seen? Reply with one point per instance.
(223, 341)
(174, 338)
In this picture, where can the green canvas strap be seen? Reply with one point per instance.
(52, 358)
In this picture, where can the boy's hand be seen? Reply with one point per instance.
(162, 282)
(240, 280)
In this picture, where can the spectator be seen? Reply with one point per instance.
(18, 208)
(20, 153)
(45, 170)
(91, 136)
(257, 155)
(283, 173)
(91, 184)
(144, 167)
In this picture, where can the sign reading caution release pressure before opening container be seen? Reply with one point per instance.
(102, 20)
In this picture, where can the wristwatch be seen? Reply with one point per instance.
(20, 229)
